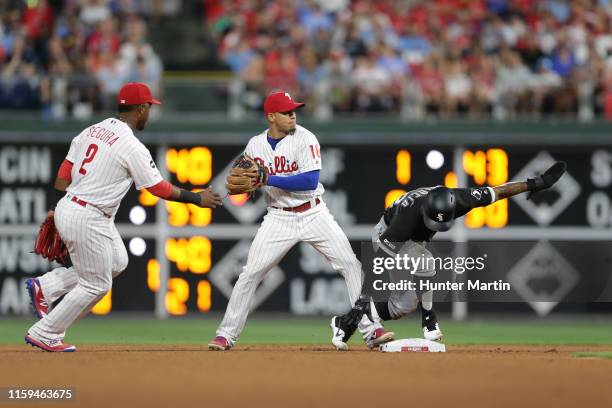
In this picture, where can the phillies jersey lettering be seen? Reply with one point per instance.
(281, 165)
(107, 158)
(294, 154)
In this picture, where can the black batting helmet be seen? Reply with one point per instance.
(439, 209)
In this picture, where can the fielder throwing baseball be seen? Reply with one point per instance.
(405, 228)
(286, 161)
(102, 163)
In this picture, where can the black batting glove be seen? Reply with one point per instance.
(546, 180)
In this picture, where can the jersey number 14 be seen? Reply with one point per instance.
(315, 150)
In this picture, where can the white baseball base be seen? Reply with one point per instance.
(412, 345)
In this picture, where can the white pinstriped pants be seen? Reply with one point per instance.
(61, 280)
(97, 253)
(278, 233)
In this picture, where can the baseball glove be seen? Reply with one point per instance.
(246, 176)
(49, 244)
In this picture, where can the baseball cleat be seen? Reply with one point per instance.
(49, 345)
(378, 337)
(219, 343)
(431, 329)
(37, 299)
(339, 337)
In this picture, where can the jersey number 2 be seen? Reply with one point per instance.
(92, 149)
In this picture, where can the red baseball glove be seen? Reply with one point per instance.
(48, 243)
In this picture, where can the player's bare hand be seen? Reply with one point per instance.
(209, 199)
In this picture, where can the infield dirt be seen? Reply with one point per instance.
(313, 376)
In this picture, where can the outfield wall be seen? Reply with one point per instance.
(366, 164)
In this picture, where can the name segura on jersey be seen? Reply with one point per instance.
(107, 158)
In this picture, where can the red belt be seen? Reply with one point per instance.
(84, 203)
(300, 208)
(79, 201)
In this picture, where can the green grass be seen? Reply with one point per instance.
(594, 354)
(122, 330)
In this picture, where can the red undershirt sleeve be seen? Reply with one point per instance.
(65, 171)
(163, 189)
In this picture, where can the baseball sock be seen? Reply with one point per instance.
(382, 308)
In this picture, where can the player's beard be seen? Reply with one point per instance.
(287, 131)
(290, 129)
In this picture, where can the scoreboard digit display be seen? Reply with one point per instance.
(580, 199)
(203, 250)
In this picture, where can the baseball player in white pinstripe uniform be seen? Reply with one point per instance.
(296, 213)
(100, 167)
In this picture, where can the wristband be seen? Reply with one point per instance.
(493, 196)
(532, 184)
(186, 196)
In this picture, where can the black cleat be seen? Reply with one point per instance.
(429, 321)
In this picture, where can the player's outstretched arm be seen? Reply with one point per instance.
(533, 185)
(510, 189)
(205, 198)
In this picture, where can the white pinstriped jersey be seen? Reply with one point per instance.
(294, 154)
(107, 158)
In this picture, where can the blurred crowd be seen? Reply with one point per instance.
(72, 56)
(426, 57)
(444, 58)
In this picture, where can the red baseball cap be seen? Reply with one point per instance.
(136, 93)
(280, 102)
